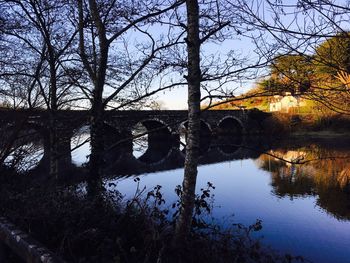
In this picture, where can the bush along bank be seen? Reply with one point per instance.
(286, 124)
(108, 228)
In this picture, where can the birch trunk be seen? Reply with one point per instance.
(54, 167)
(183, 225)
(96, 160)
(96, 128)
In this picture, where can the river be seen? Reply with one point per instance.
(299, 188)
(304, 208)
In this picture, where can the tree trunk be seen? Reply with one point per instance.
(53, 156)
(98, 76)
(97, 147)
(183, 225)
(54, 167)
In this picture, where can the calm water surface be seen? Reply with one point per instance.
(305, 208)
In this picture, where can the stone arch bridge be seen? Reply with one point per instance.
(163, 126)
(215, 121)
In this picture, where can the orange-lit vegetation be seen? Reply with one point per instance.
(320, 80)
(325, 173)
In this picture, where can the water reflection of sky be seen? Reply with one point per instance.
(80, 155)
(80, 145)
(293, 220)
(296, 226)
(25, 157)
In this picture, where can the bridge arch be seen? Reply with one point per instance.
(117, 142)
(80, 144)
(230, 125)
(205, 135)
(155, 124)
(205, 126)
(28, 147)
(114, 143)
(154, 140)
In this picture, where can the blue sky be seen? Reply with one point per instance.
(177, 98)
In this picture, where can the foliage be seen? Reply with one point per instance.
(284, 124)
(254, 98)
(111, 229)
(319, 77)
(333, 55)
(202, 206)
(289, 73)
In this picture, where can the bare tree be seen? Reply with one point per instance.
(212, 72)
(120, 72)
(38, 39)
(183, 225)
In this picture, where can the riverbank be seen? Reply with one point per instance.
(311, 125)
(110, 228)
(325, 134)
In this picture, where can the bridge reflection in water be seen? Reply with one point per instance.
(327, 178)
(303, 206)
(156, 151)
(132, 138)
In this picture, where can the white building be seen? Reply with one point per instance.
(285, 103)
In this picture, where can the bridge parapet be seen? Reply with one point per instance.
(126, 120)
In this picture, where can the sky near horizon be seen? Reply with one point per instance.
(176, 99)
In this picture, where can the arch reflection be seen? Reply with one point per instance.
(153, 141)
(205, 137)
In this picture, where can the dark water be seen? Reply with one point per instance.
(304, 208)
